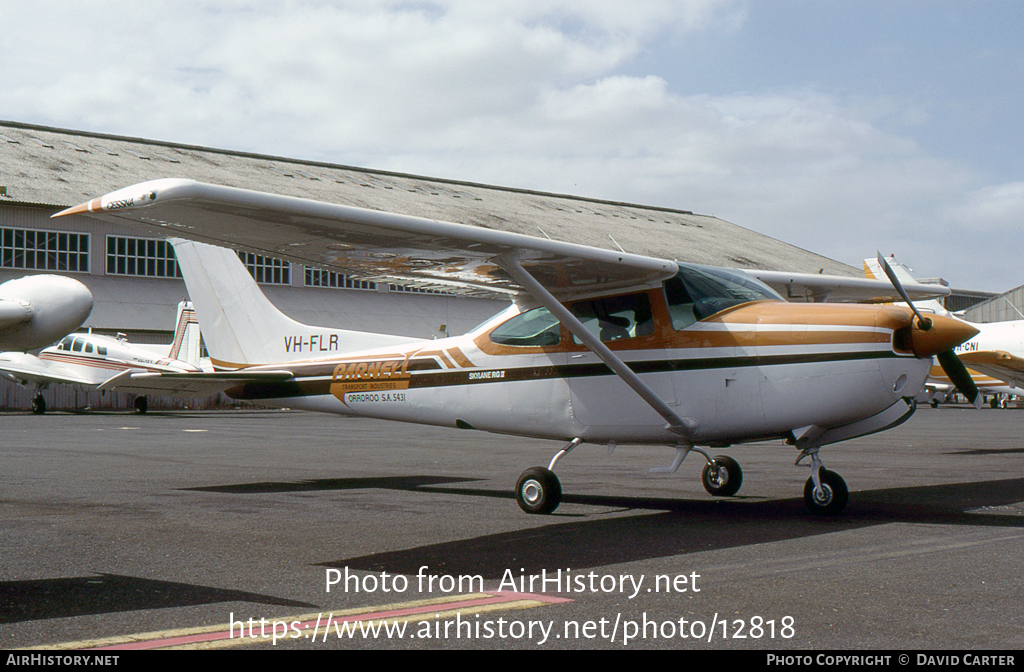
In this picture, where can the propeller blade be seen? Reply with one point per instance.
(959, 375)
(923, 323)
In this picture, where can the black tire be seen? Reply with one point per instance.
(39, 405)
(141, 405)
(725, 479)
(538, 491)
(835, 494)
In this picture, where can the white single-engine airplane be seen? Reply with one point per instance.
(38, 309)
(93, 359)
(599, 346)
(994, 356)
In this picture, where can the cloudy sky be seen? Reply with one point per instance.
(840, 127)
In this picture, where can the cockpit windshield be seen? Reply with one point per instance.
(698, 292)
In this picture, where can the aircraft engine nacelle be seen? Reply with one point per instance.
(37, 310)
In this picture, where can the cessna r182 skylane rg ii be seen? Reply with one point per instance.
(92, 359)
(598, 347)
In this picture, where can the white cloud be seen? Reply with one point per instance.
(519, 93)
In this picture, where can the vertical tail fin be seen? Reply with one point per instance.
(241, 327)
(873, 270)
(186, 344)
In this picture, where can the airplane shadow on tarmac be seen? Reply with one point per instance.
(107, 593)
(661, 528)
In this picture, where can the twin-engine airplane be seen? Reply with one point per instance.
(92, 359)
(598, 347)
(994, 356)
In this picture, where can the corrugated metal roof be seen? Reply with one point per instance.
(58, 167)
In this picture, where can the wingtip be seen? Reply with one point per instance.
(80, 209)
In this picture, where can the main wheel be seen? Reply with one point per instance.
(833, 496)
(141, 405)
(724, 479)
(538, 490)
(38, 405)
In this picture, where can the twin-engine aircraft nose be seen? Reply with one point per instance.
(944, 334)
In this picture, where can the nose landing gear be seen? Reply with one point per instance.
(825, 492)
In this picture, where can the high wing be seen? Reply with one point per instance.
(368, 243)
(189, 385)
(812, 287)
(998, 364)
(372, 244)
(24, 368)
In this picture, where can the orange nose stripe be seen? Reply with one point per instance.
(945, 334)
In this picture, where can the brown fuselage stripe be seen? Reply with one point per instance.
(305, 388)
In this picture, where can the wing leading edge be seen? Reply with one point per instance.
(369, 243)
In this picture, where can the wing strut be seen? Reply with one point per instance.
(685, 427)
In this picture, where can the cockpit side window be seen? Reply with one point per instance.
(536, 327)
(614, 318)
(680, 304)
(697, 293)
(65, 344)
(77, 345)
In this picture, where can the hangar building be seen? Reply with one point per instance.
(136, 284)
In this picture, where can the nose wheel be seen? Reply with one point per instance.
(829, 496)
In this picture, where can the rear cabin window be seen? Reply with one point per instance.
(532, 328)
(615, 318)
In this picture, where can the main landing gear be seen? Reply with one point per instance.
(38, 404)
(538, 490)
(722, 476)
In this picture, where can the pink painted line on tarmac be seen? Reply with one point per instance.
(498, 597)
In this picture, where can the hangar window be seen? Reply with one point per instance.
(316, 277)
(267, 270)
(415, 289)
(141, 256)
(44, 250)
(534, 327)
